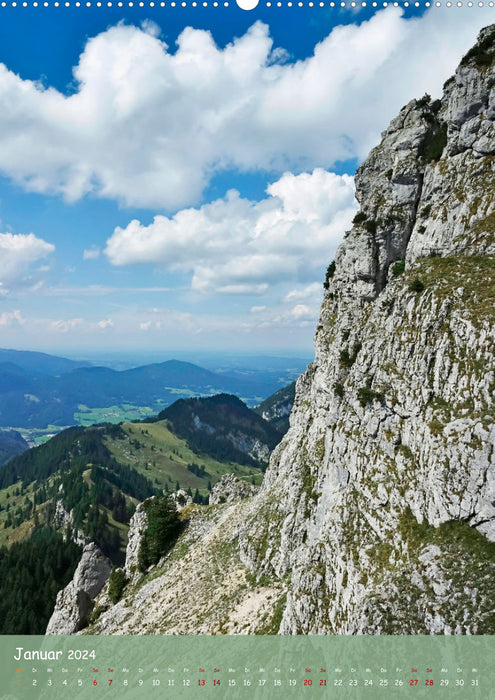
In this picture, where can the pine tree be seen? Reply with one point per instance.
(163, 528)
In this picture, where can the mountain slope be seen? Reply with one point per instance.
(11, 443)
(84, 483)
(74, 489)
(377, 511)
(224, 427)
(95, 466)
(277, 407)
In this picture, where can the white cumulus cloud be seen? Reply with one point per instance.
(150, 127)
(18, 252)
(311, 291)
(236, 246)
(301, 311)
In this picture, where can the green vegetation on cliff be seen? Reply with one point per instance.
(163, 528)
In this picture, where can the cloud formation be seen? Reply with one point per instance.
(105, 323)
(309, 292)
(279, 327)
(66, 325)
(150, 128)
(10, 318)
(235, 246)
(18, 252)
(91, 253)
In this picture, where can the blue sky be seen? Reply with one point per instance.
(178, 178)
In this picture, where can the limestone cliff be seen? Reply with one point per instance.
(377, 512)
(137, 527)
(230, 489)
(75, 601)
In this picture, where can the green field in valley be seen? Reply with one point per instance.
(111, 414)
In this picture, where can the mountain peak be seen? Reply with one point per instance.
(414, 204)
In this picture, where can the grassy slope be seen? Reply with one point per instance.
(12, 535)
(163, 458)
(475, 274)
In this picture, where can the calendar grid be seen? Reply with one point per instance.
(246, 667)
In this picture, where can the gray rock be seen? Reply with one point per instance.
(409, 437)
(137, 528)
(181, 499)
(75, 602)
(229, 489)
(63, 519)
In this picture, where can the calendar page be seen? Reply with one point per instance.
(247, 375)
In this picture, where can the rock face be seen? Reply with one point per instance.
(388, 466)
(377, 511)
(230, 489)
(137, 528)
(62, 519)
(75, 601)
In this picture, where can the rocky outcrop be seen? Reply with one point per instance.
(137, 528)
(62, 520)
(252, 446)
(75, 602)
(230, 489)
(181, 499)
(377, 511)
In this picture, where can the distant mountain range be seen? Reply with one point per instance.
(40, 362)
(38, 390)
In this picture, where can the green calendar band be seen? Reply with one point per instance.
(80, 667)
